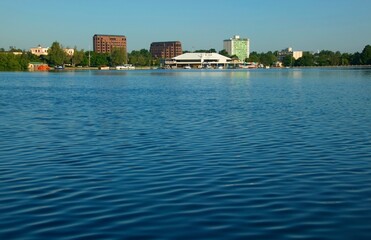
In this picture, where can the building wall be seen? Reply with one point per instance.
(287, 52)
(38, 51)
(238, 46)
(166, 50)
(297, 54)
(106, 43)
(69, 51)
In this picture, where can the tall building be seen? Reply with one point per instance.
(166, 50)
(106, 43)
(238, 46)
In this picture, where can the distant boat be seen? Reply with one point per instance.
(103, 68)
(59, 67)
(125, 67)
(248, 65)
(187, 67)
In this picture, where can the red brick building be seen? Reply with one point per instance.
(166, 49)
(105, 43)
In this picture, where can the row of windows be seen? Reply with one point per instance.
(102, 38)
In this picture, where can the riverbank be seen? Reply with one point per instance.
(295, 67)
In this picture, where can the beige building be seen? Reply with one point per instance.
(288, 51)
(38, 51)
(69, 51)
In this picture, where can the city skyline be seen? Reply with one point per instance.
(336, 25)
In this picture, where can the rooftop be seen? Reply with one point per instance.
(204, 56)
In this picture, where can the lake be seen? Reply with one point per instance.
(186, 154)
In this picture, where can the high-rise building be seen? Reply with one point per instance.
(238, 46)
(106, 43)
(166, 50)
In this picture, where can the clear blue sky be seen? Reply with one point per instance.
(343, 25)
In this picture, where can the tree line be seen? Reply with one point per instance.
(57, 56)
(322, 58)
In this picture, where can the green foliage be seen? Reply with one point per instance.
(254, 57)
(288, 61)
(234, 57)
(366, 55)
(56, 55)
(224, 53)
(11, 62)
(141, 58)
(99, 59)
(78, 57)
(268, 59)
(211, 50)
(306, 60)
(118, 56)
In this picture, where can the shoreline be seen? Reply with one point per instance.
(66, 69)
(294, 67)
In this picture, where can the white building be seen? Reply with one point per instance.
(38, 51)
(297, 54)
(287, 52)
(69, 51)
(238, 46)
(198, 60)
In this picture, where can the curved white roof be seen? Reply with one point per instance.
(204, 56)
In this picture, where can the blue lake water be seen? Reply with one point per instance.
(260, 154)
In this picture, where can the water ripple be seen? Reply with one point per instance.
(185, 155)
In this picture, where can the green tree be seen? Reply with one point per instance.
(366, 55)
(3, 61)
(78, 57)
(234, 58)
(288, 60)
(12, 62)
(141, 58)
(345, 59)
(356, 59)
(224, 53)
(85, 59)
(211, 50)
(118, 56)
(254, 57)
(56, 55)
(306, 60)
(24, 61)
(99, 59)
(268, 58)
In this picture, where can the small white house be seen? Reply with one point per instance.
(38, 51)
(69, 51)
